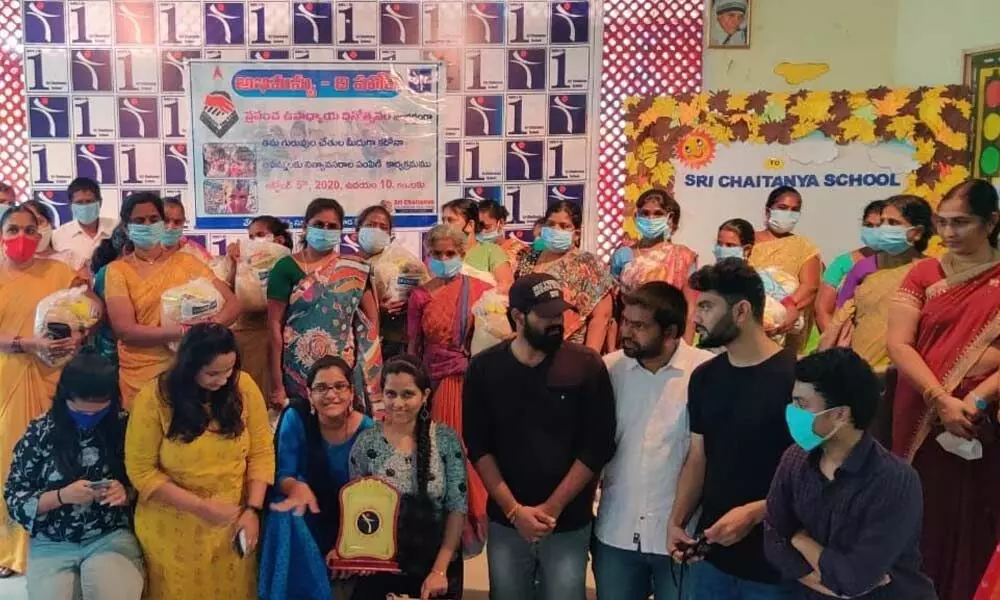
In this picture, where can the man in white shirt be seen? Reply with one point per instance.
(81, 236)
(650, 379)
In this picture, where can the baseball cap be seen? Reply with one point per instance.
(539, 293)
(722, 6)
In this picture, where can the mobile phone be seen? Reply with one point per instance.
(58, 331)
(240, 543)
(103, 484)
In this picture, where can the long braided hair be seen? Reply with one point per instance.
(410, 365)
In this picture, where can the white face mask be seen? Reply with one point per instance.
(783, 221)
(46, 241)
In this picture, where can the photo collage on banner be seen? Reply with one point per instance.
(107, 92)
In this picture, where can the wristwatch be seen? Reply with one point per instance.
(256, 509)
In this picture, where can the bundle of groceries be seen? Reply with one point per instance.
(491, 324)
(257, 258)
(193, 302)
(395, 273)
(60, 314)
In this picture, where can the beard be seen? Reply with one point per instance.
(633, 349)
(724, 332)
(546, 340)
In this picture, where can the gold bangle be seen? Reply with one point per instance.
(931, 394)
(510, 515)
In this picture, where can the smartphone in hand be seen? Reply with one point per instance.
(103, 484)
(240, 543)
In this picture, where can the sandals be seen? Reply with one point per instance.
(6, 572)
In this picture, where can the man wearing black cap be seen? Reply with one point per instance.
(539, 424)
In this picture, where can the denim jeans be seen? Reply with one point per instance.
(105, 568)
(552, 569)
(633, 575)
(709, 583)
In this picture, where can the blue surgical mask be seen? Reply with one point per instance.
(800, 424)
(487, 237)
(86, 213)
(88, 421)
(783, 221)
(172, 237)
(890, 239)
(145, 237)
(445, 268)
(724, 252)
(557, 240)
(652, 228)
(373, 240)
(868, 236)
(322, 240)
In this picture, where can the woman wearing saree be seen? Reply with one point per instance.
(488, 257)
(26, 383)
(863, 304)
(321, 304)
(776, 246)
(586, 282)
(943, 335)
(440, 331)
(834, 274)
(174, 221)
(134, 286)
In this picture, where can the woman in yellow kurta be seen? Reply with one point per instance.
(199, 452)
(133, 287)
(26, 383)
(777, 247)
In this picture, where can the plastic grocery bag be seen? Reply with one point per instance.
(491, 324)
(70, 307)
(187, 304)
(222, 268)
(257, 258)
(395, 273)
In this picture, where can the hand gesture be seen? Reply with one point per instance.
(113, 495)
(532, 523)
(677, 541)
(218, 512)
(78, 492)
(55, 348)
(791, 316)
(233, 251)
(301, 499)
(732, 527)
(957, 416)
(249, 523)
(394, 308)
(436, 584)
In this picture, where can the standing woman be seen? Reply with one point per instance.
(68, 487)
(834, 274)
(321, 304)
(134, 286)
(173, 231)
(46, 219)
(390, 277)
(199, 452)
(777, 246)
(109, 250)
(425, 461)
(440, 329)
(866, 295)
(492, 220)
(586, 282)
(252, 336)
(26, 383)
(463, 214)
(944, 327)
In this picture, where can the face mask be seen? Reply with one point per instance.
(487, 237)
(653, 228)
(890, 239)
(146, 236)
(557, 240)
(724, 252)
(445, 268)
(21, 248)
(263, 238)
(869, 235)
(46, 241)
(88, 421)
(538, 244)
(322, 240)
(783, 221)
(171, 237)
(800, 424)
(86, 213)
(373, 240)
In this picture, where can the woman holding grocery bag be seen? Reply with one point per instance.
(27, 382)
(135, 290)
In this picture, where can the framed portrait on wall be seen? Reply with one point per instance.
(982, 76)
(728, 23)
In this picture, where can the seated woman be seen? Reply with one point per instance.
(426, 463)
(314, 443)
(67, 487)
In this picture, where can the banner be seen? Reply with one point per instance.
(267, 140)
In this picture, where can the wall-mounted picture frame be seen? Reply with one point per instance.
(727, 23)
(982, 76)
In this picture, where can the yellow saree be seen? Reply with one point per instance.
(789, 254)
(138, 365)
(26, 383)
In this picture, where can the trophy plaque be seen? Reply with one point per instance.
(369, 508)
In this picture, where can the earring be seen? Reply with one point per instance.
(424, 413)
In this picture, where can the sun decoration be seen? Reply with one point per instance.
(696, 149)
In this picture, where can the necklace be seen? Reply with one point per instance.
(148, 261)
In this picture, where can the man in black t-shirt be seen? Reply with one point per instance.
(539, 423)
(736, 403)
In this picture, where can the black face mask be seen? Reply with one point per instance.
(724, 332)
(548, 340)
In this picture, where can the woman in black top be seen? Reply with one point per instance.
(67, 487)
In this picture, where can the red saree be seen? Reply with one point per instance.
(959, 321)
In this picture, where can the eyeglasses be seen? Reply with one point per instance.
(340, 387)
